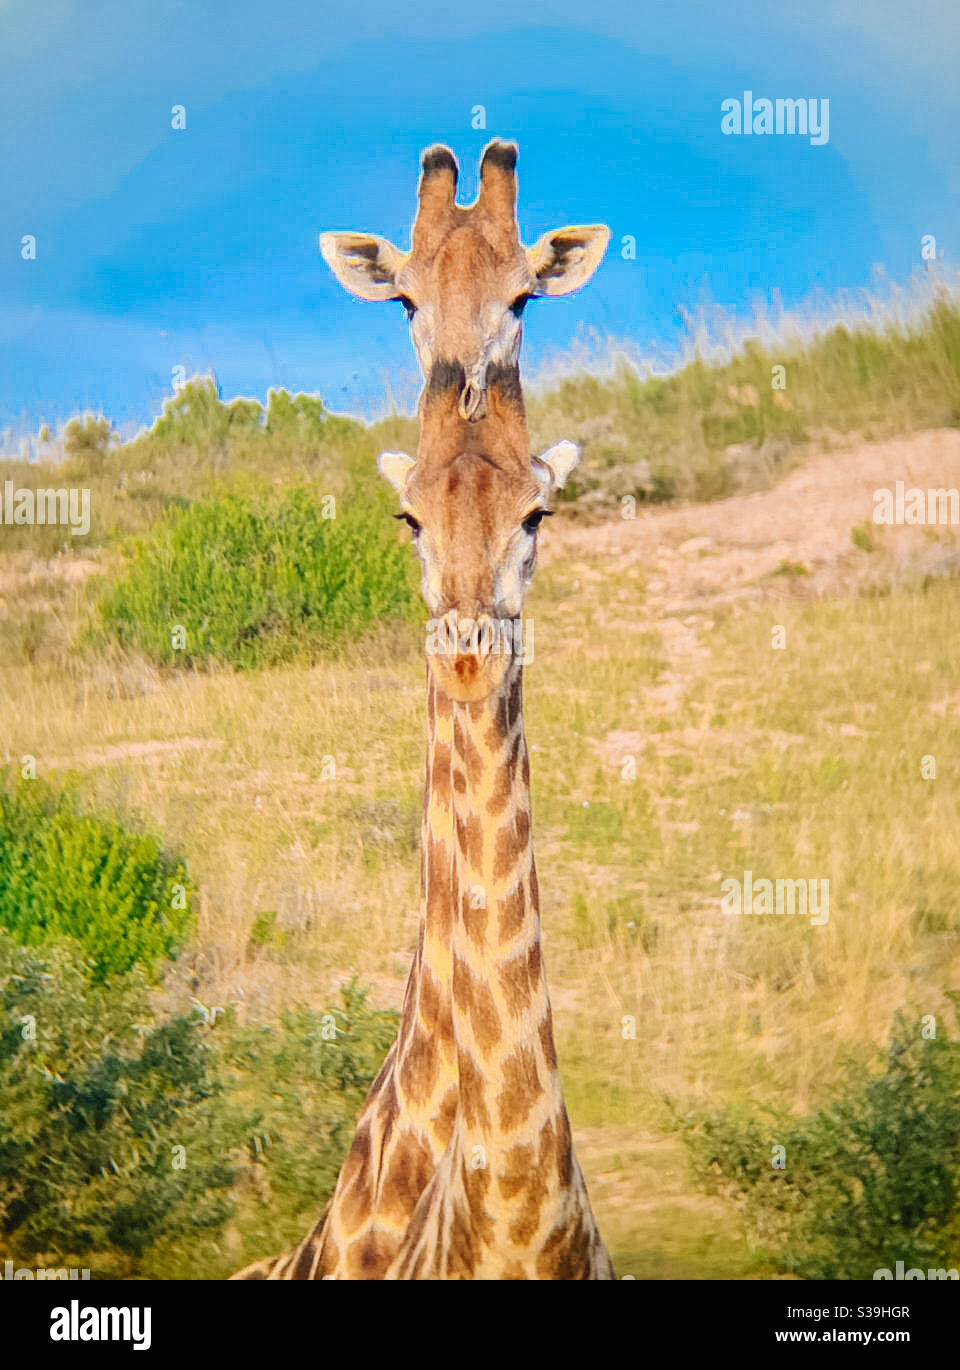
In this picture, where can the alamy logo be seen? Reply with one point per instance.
(915, 1274)
(804, 897)
(101, 1324)
(805, 116)
(487, 637)
(43, 1272)
(915, 506)
(25, 506)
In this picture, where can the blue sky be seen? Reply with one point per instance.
(198, 247)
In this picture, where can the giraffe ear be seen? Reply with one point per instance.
(559, 461)
(566, 258)
(363, 263)
(395, 467)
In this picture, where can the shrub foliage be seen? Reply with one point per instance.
(130, 1138)
(870, 1180)
(259, 577)
(69, 873)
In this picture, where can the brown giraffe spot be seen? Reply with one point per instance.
(518, 1166)
(564, 1149)
(513, 910)
(440, 773)
(429, 1000)
(501, 721)
(446, 1117)
(507, 710)
(521, 1086)
(494, 735)
(473, 997)
(514, 979)
(470, 839)
(476, 1182)
(467, 752)
(525, 769)
(461, 1259)
(535, 965)
(547, 1043)
(508, 848)
(547, 1155)
(418, 1222)
(439, 901)
(534, 886)
(566, 1253)
(555, 1154)
(513, 1271)
(411, 1165)
(473, 1100)
(473, 912)
(522, 1183)
(523, 1229)
(476, 708)
(419, 1066)
(502, 790)
(516, 696)
(369, 1258)
(442, 702)
(459, 781)
(522, 824)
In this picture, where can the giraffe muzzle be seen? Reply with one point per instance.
(466, 655)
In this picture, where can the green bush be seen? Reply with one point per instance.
(870, 1180)
(65, 872)
(196, 417)
(86, 440)
(110, 1137)
(260, 577)
(130, 1139)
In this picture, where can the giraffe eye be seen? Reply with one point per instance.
(410, 521)
(532, 522)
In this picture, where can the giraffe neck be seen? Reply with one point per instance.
(507, 1200)
(511, 1157)
(445, 435)
(509, 1082)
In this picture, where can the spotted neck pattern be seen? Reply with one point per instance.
(507, 1200)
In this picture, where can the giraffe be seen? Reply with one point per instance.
(462, 1166)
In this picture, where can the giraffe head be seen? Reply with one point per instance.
(467, 277)
(474, 525)
(473, 497)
